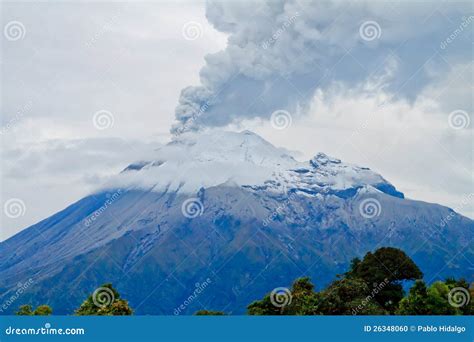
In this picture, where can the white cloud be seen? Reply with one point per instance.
(129, 59)
(74, 60)
(411, 144)
(132, 60)
(52, 174)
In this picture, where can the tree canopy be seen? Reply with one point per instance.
(27, 310)
(387, 266)
(104, 301)
(209, 313)
(300, 300)
(371, 286)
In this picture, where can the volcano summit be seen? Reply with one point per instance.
(234, 212)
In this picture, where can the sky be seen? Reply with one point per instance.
(89, 87)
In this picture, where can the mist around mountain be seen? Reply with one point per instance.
(230, 215)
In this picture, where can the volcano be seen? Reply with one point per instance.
(233, 216)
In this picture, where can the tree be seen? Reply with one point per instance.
(348, 296)
(437, 301)
(466, 297)
(264, 307)
(388, 266)
(416, 303)
(27, 310)
(43, 310)
(428, 301)
(209, 313)
(304, 299)
(372, 286)
(105, 301)
(352, 267)
(299, 300)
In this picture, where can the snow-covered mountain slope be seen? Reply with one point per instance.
(257, 219)
(193, 161)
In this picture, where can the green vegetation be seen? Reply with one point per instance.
(209, 313)
(434, 300)
(387, 267)
(105, 301)
(344, 296)
(27, 310)
(371, 286)
(303, 301)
